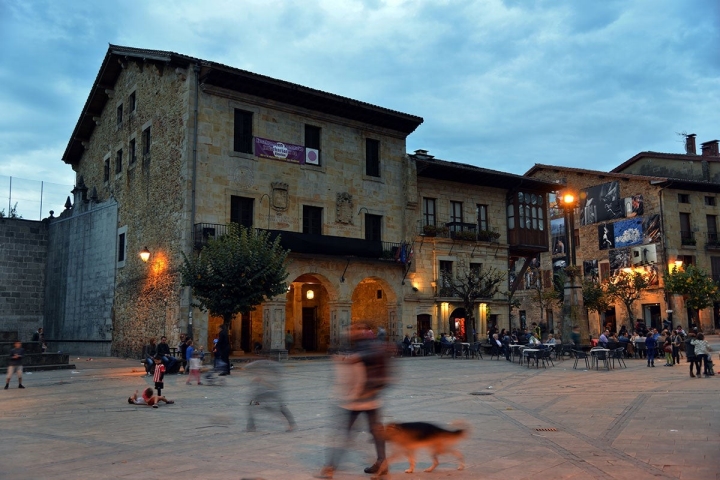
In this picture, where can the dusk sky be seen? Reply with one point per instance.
(500, 84)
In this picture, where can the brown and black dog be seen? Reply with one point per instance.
(411, 436)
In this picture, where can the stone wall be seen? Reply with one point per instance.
(81, 279)
(23, 255)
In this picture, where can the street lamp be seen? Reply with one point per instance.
(145, 254)
(568, 201)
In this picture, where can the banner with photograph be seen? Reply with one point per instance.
(651, 229)
(606, 236)
(619, 259)
(600, 203)
(628, 232)
(591, 271)
(634, 206)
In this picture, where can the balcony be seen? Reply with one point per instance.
(305, 243)
(713, 241)
(687, 238)
(457, 231)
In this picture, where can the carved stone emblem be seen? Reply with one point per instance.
(279, 195)
(344, 208)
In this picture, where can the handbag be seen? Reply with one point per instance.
(668, 349)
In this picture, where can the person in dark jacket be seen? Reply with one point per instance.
(182, 350)
(163, 349)
(651, 344)
(690, 352)
(223, 347)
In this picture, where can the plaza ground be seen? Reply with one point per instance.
(558, 423)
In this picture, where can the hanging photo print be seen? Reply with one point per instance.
(606, 236)
(600, 203)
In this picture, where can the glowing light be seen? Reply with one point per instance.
(145, 254)
(310, 294)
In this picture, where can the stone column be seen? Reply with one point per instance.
(273, 329)
(573, 310)
(340, 318)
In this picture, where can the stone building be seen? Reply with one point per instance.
(640, 217)
(180, 147)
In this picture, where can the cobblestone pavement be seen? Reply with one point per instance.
(554, 422)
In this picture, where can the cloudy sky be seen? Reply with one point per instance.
(500, 84)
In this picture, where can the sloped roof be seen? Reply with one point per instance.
(683, 157)
(430, 167)
(216, 74)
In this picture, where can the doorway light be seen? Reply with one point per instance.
(310, 294)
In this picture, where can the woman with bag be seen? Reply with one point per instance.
(701, 353)
(667, 348)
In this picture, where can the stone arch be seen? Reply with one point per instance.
(308, 306)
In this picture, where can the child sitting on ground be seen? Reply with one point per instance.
(147, 398)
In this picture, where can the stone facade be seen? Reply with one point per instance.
(23, 255)
(660, 197)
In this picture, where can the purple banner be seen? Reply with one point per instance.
(279, 151)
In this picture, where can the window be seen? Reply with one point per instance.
(456, 216)
(131, 102)
(429, 211)
(121, 246)
(683, 198)
(373, 227)
(686, 259)
(446, 268)
(241, 211)
(712, 229)
(511, 217)
(146, 141)
(604, 271)
(119, 115)
(106, 170)
(243, 132)
(312, 220)
(372, 157)
(312, 140)
(475, 268)
(118, 161)
(686, 233)
(710, 201)
(132, 154)
(482, 217)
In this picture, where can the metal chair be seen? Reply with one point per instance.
(580, 355)
(546, 356)
(618, 355)
(495, 351)
(476, 350)
(533, 356)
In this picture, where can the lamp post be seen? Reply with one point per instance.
(568, 201)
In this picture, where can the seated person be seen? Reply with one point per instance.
(447, 344)
(148, 398)
(550, 340)
(533, 341)
(149, 352)
(163, 349)
(604, 339)
(407, 348)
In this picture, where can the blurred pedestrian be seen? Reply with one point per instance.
(194, 364)
(360, 379)
(15, 364)
(223, 348)
(266, 392)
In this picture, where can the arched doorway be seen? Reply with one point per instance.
(461, 326)
(373, 302)
(307, 314)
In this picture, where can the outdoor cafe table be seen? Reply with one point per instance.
(514, 350)
(465, 349)
(525, 352)
(594, 352)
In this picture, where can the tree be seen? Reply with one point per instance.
(543, 296)
(236, 272)
(594, 297)
(12, 214)
(627, 287)
(470, 284)
(696, 287)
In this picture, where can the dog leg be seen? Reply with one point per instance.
(435, 463)
(460, 458)
(411, 459)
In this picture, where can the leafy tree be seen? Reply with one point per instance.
(627, 287)
(471, 284)
(236, 272)
(594, 297)
(12, 214)
(697, 288)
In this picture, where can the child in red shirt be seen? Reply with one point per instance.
(159, 375)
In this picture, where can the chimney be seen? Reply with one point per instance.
(710, 149)
(423, 154)
(690, 144)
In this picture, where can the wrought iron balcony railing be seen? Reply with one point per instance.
(298, 242)
(687, 238)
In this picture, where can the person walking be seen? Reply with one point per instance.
(266, 392)
(651, 344)
(361, 378)
(676, 340)
(223, 348)
(690, 354)
(702, 350)
(15, 364)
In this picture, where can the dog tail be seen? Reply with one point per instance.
(461, 426)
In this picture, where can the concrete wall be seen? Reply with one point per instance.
(23, 254)
(80, 279)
